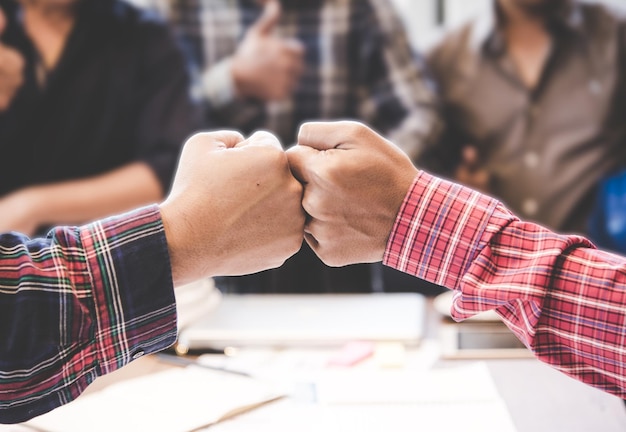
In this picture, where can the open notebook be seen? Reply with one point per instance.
(175, 400)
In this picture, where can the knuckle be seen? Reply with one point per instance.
(263, 135)
(195, 141)
(199, 137)
(354, 128)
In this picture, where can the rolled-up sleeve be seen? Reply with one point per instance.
(78, 304)
(561, 296)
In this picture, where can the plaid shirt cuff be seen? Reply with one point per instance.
(133, 293)
(438, 230)
(104, 297)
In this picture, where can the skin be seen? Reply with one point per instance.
(266, 66)
(528, 45)
(48, 24)
(234, 207)
(537, 8)
(354, 184)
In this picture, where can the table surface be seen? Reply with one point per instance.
(537, 397)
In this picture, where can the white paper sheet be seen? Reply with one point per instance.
(466, 383)
(176, 400)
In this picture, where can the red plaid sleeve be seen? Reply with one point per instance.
(562, 297)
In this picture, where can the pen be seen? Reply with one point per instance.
(184, 361)
(181, 350)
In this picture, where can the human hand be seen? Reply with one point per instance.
(471, 173)
(266, 66)
(234, 207)
(354, 184)
(11, 70)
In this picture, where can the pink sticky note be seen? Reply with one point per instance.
(352, 353)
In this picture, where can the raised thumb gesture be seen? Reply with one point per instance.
(269, 18)
(266, 66)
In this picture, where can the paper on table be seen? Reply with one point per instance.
(467, 383)
(176, 400)
(457, 399)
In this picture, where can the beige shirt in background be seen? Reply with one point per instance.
(545, 148)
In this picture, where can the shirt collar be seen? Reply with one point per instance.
(488, 32)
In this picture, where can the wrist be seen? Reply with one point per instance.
(171, 238)
(181, 250)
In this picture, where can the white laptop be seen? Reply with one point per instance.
(287, 320)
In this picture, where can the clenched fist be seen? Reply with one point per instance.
(234, 208)
(354, 184)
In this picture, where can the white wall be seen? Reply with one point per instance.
(421, 16)
(420, 19)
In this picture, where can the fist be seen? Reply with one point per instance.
(234, 207)
(354, 184)
(11, 70)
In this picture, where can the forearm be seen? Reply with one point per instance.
(80, 304)
(80, 201)
(565, 300)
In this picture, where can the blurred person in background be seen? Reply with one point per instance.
(94, 108)
(532, 96)
(269, 64)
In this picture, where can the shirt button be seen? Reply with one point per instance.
(138, 354)
(531, 159)
(530, 207)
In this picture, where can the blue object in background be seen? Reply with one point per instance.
(607, 224)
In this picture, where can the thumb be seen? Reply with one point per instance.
(330, 135)
(261, 138)
(211, 141)
(269, 18)
(300, 161)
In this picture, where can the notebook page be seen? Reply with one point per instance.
(175, 400)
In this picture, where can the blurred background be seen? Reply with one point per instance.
(427, 20)
(532, 118)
